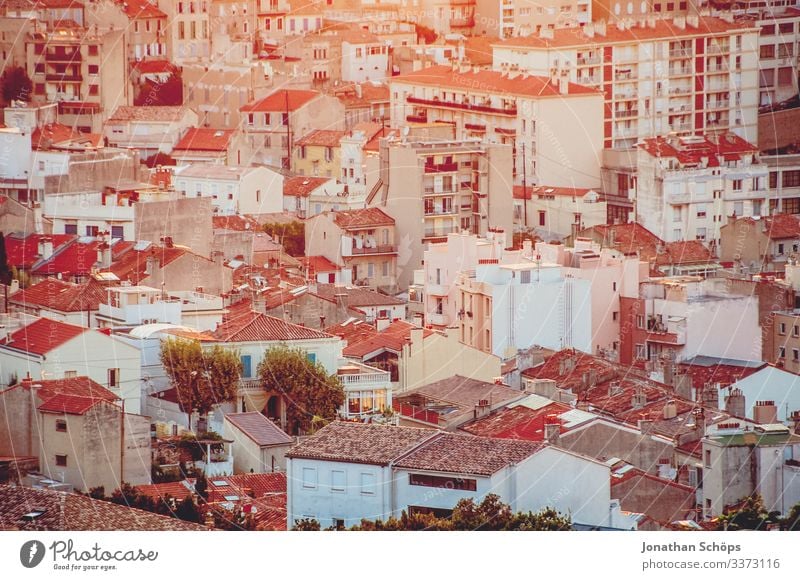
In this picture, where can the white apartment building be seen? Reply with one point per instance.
(233, 189)
(509, 18)
(688, 76)
(553, 126)
(149, 129)
(688, 186)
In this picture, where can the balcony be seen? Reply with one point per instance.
(63, 77)
(680, 127)
(372, 251)
(625, 76)
(681, 71)
(680, 53)
(626, 114)
(439, 232)
(588, 60)
(74, 56)
(436, 318)
(441, 211)
(441, 167)
(717, 104)
(680, 90)
(462, 22)
(356, 376)
(715, 48)
(436, 290)
(511, 111)
(717, 68)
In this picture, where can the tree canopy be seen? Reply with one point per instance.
(752, 515)
(290, 234)
(17, 85)
(168, 93)
(6, 275)
(307, 389)
(203, 377)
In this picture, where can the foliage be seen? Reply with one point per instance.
(6, 275)
(17, 85)
(792, 521)
(158, 159)
(306, 525)
(753, 515)
(291, 235)
(428, 35)
(168, 93)
(308, 390)
(188, 511)
(202, 377)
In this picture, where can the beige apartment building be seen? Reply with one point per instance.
(363, 242)
(440, 187)
(553, 126)
(786, 338)
(273, 124)
(686, 76)
(507, 18)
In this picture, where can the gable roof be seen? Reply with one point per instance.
(136, 9)
(321, 138)
(55, 294)
(147, 114)
(258, 428)
(81, 387)
(466, 454)
(355, 296)
(74, 512)
(23, 251)
(43, 336)
(205, 139)
(393, 337)
(254, 326)
(280, 101)
(69, 404)
(362, 218)
(519, 422)
(132, 265)
(303, 186)
(359, 443)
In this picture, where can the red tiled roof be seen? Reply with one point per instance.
(238, 223)
(782, 227)
(281, 100)
(132, 265)
(370, 94)
(147, 114)
(318, 265)
(690, 152)
(487, 81)
(258, 428)
(391, 338)
(353, 332)
(716, 373)
(136, 9)
(455, 453)
(636, 473)
(154, 66)
(355, 296)
(302, 186)
(80, 387)
(686, 252)
(374, 142)
(179, 490)
(68, 404)
(548, 190)
(568, 37)
(76, 259)
(321, 138)
(43, 336)
(204, 139)
(23, 252)
(54, 294)
(254, 485)
(256, 327)
(55, 134)
(519, 422)
(362, 218)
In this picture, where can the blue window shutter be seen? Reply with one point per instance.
(312, 357)
(247, 366)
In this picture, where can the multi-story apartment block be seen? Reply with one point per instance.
(778, 51)
(144, 25)
(553, 126)
(688, 186)
(508, 18)
(271, 125)
(80, 68)
(688, 76)
(362, 242)
(233, 189)
(189, 29)
(445, 16)
(318, 153)
(441, 187)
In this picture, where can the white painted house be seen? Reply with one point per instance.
(149, 129)
(233, 189)
(49, 349)
(351, 471)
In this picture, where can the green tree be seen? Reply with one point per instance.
(546, 520)
(292, 235)
(490, 514)
(306, 525)
(792, 521)
(307, 389)
(17, 85)
(753, 515)
(202, 377)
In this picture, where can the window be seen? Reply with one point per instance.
(782, 328)
(701, 210)
(338, 480)
(91, 231)
(70, 374)
(309, 478)
(781, 352)
(113, 378)
(311, 357)
(615, 316)
(613, 286)
(795, 354)
(640, 352)
(61, 425)
(738, 208)
(525, 277)
(701, 234)
(93, 50)
(639, 321)
(795, 330)
(542, 218)
(791, 178)
(367, 484)
(708, 459)
(61, 460)
(247, 366)
(94, 90)
(767, 51)
(737, 185)
(440, 481)
(71, 229)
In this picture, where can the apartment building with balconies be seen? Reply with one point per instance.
(189, 36)
(553, 126)
(441, 187)
(508, 18)
(687, 187)
(691, 75)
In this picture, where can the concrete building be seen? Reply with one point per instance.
(271, 125)
(233, 189)
(692, 75)
(436, 188)
(148, 129)
(144, 25)
(688, 186)
(555, 125)
(261, 445)
(49, 349)
(79, 431)
(508, 19)
(318, 153)
(362, 242)
(760, 244)
(189, 25)
(739, 462)
(204, 145)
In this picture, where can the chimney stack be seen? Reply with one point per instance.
(765, 412)
(794, 418)
(710, 396)
(639, 398)
(104, 255)
(552, 429)
(45, 247)
(645, 425)
(735, 403)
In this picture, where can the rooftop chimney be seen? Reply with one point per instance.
(552, 429)
(639, 398)
(710, 396)
(735, 403)
(45, 247)
(795, 421)
(104, 255)
(765, 412)
(645, 425)
(670, 410)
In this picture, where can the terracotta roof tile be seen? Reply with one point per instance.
(487, 81)
(258, 428)
(466, 454)
(256, 327)
(68, 404)
(518, 422)
(132, 265)
(716, 149)
(147, 114)
(355, 296)
(281, 100)
(204, 139)
(23, 251)
(303, 186)
(525, 193)
(54, 294)
(371, 93)
(782, 227)
(43, 336)
(154, 66)
(359, 443)
(73, 512)
(82, 387)
(56, 134)
(318, 265)
(362, 218)
(391, 338)
(136, 9)
(321, 138)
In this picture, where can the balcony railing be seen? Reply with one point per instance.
(588, 60)
(717, 104)
(512, 110)
(441, 211)
(65, 57)
(440, 232)
(680, 53)
(717, 48)
(680, 72)
(60, 77)
(382, 249)
(624, 114)
(441, 167)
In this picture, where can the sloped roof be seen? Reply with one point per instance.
(280, 101)
(204, 139)
(321, 138)
(148, 114)
(132, 265)
(359, 443)
(23, 251)
(43, 336)
(303, 186)
(81, 387)
(391, 338)
(74, 512)
(256, 327)
(136, 9)
(54, 294)
(362, 218)
(355, 296)
(258, 428)
(68, 404)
